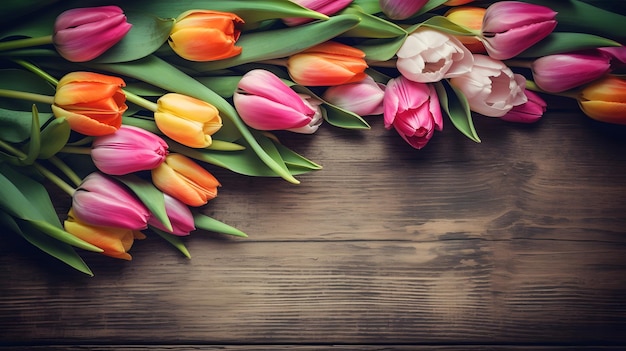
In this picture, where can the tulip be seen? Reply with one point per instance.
(102, 201)
(428, 55)
(401, 9)
(329, 63)
(491, 88)
(605, 100)
(413, 109)
(180, 217)
(187, 120)
(205, 35)
(264, 102)
(529, 112)
(128, 150)
(185, 180)
(116, 242)
(471, 18)
(561, 72)
(92, 103)
(363, 98)
(82, 34)
(327, 7)
(457, 2)
(510, 27)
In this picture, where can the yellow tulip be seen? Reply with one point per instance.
(605, 100)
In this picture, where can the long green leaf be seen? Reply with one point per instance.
(456, 107)
(371, 26)
(54, 136)
(148, 194)
(34, 145)
(561, 42)
(213, 225)
(174, 240)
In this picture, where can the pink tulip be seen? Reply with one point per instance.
(102, 201)
(413, 109)
(264, 102)
(327, 7)
(363, 98)
(82, 34)
(128, 150)
(529, 112)
(510, 27)
(401, 9)
(561, 72)
(428, 55)
(180, 217)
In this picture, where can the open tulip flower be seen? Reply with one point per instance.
(92, 103)
(115, 242)
(82, 34)
(605, 100)
(130, 149)
(204, 35)
(329, 63)
(561, 72)
(180, 217)
(327, 7)
(510, 27)
(102, 201)
(363, 98)
(491, 88)
(187, 120)
(428, 55)
(183, 179)
(413, 110)
(264, 102)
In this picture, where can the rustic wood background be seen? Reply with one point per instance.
(516, 243)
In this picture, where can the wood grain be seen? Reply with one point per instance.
(515, 243)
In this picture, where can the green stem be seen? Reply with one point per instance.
(76, 150)
(27, 96)
(25, 43)
(139, 101)
(38, 71)
(519, 63)
(63, 167)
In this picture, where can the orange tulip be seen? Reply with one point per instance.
(605, 100)
(92, 103)
(116, 242)
(187, 120)
(471, 18)
(329, 63)
(204, 35)
(183, 179)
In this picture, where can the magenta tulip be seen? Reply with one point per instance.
(363, 98)
(82, 34)
(401, 9)
(413, 109)
(510, 27)
(128, 150)
(327, 7)
(491, 88)
(102, 201)
(529, 112)
(561, 72)
(264, 102)
(180, 217)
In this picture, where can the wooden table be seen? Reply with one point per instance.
(516, 243)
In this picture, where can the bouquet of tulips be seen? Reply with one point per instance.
(127, 106)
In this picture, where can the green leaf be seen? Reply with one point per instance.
(54, 136)
(560, 42)
(335, 115)
(63, 236)
(148, 194)
(34, 145)
(456, 107)
(443, 24)
(380, 49)
(371, 26)
(368, 6)
(295, 160)
(207, 223)
(174, 240)
(22, 80)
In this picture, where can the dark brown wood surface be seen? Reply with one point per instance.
(515, 243)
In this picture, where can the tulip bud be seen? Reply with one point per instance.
(264, 102)
(204, 35)
(116, 242)
(605, 100)
(510, 27)
(401, 9)
(180, 217)
(561, 72)
(187, 120)
(413, 109)
(92, 103)
(491, 88)
(102, 201)
(327, 7)
(185, 180)
(457, 2)
(128, 150)
(329, 63)
(529, 112)
(363, 98)
(428, 55)
(471, 18)
(82, 34)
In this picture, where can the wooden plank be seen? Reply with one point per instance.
(309, 348)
